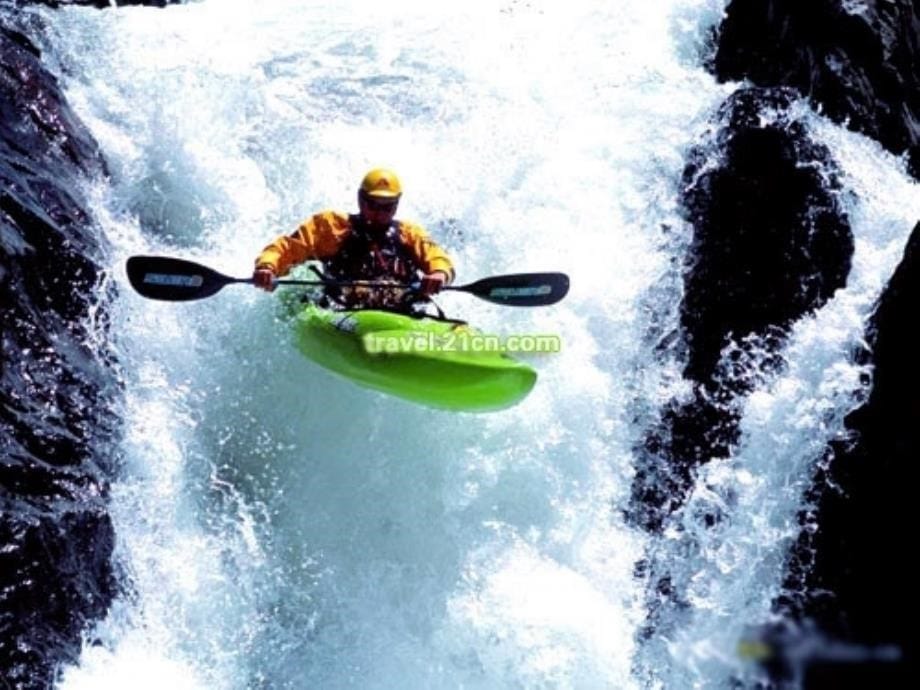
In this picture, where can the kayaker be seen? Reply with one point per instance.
(370, 245)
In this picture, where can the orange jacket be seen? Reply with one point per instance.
(322, 235)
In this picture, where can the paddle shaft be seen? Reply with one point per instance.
(176, 280)
(228, 280)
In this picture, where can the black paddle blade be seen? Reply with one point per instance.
(174, 280)
(520, 289)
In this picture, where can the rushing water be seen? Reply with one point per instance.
(282, 528)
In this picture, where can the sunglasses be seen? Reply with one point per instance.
(378, 205)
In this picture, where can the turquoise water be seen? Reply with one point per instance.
(282, 528)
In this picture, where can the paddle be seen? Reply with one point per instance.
(178, 280)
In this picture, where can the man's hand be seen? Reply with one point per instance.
(264, 279)
(433, 282)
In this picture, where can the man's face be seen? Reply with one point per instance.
(377, 211)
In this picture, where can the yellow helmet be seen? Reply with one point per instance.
(381, 184)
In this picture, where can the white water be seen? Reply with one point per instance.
(282, 528)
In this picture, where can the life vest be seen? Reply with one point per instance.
(378, 258)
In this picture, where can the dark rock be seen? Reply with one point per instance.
(852, 573)
(859, 62)
(770, 244)
(57, 390)
(770, 241)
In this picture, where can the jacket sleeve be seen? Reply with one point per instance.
(318, 237)
(426, 251)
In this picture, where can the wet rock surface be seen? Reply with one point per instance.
(852, 573)
(770, 244)
(57, 391)
(848, 593)
(858, 61)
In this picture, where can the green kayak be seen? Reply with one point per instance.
(425, 360)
